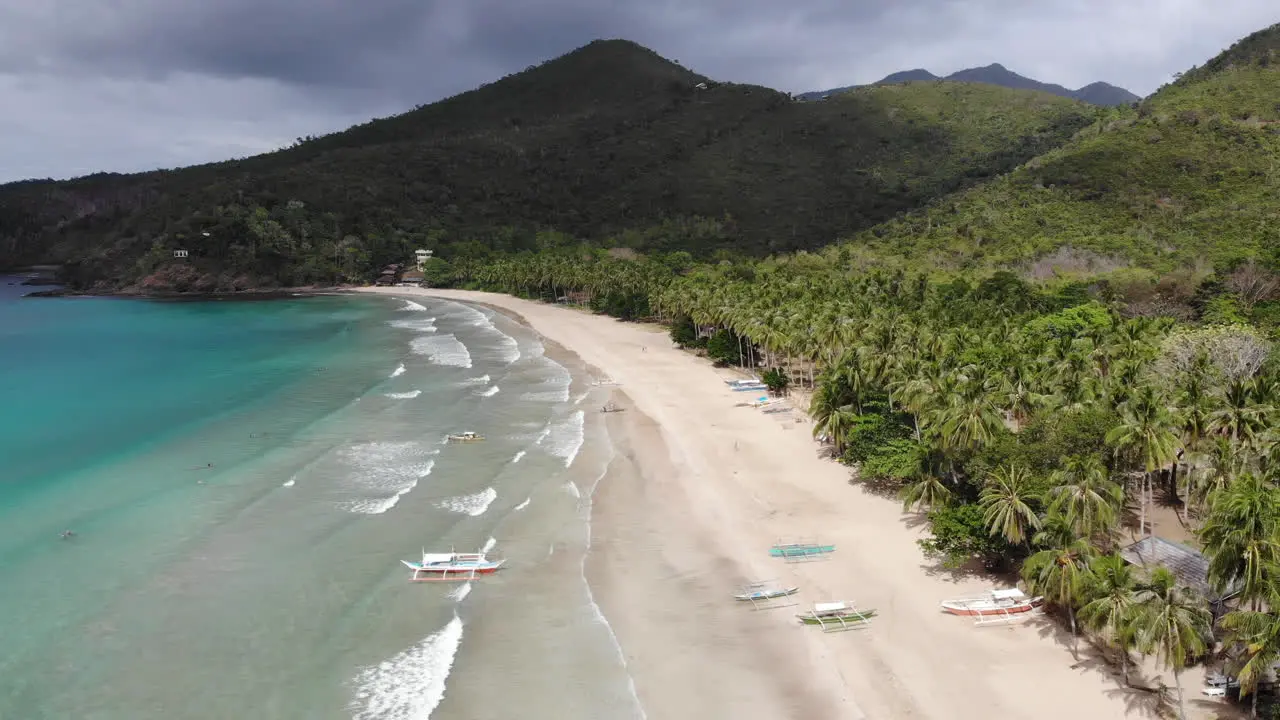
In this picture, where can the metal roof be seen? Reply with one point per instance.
(1188, 565)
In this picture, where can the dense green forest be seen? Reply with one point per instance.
(1190, 174)
(609, 143)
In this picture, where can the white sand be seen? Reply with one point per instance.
(702, 489)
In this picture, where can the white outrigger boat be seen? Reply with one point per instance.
(745, 385)
(467, 436)
(766, 594)
(997, 606)
(451, 566)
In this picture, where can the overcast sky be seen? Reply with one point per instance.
(126, 85)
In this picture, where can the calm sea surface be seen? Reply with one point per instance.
(243, 479)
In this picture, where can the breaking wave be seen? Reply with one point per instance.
(564, 439)
(474, 505)
(524, 504)
(490, 392)
(442, 350)
(384, 472)
(518, 457)
(405, 395)
(412, 306)
(398, 371)
(461, 592)
(411, 684)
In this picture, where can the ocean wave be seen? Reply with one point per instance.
(482, 380)
(510, 348)
(442, 350)
(524, 504)
(290, 482)
(474, 505)
(555, 388)
(461, 592)
(489, 544)
(405, 395)
(424, 325)
(493, 390)
(572, 488)
(384, 472)
(412, 306)
(411, 684)
(518, 457)
(398, 371)
(564, 439)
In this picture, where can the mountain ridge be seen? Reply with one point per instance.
(609, 142)
(1097, 93)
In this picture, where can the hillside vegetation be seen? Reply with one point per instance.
(1191, 174)
(610, 143)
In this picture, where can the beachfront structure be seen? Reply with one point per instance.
(422, 256)
(1189, 566)
(180, 253)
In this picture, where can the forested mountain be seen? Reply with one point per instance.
(611, 143)
(1098, 93)
(1191, 173)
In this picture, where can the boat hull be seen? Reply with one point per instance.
(453, 570)
(847, 616)
(748, 597)
(989, 610)
(801, 550)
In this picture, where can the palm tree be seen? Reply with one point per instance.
(1241, 538)
(1257, 635)
(925, 491)
(1171, 622)
(1059, 572)
(1146, 430)
(1110, 594)
(1006, 501)
(1085, 495)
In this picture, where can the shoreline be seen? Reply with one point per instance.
(706, 488)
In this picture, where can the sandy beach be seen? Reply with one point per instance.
(701, 488)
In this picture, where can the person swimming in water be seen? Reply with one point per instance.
(67, 534)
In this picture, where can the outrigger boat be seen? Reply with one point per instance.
(800, 550)
(451, 566)
(745, 385)
(743, 381)
(766, 594)
(997, 606)
(837, 616)
(467, 436)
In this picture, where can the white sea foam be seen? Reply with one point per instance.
(423, 325)
(578, 400)
(555, 388)
(518, 457)
(510, 348)
(442, 350)
(488, 544)
(290, 482)
(383, 472)
(493, 390)
(405, 395)
(461, 592)
(524, 504)
(474, 505)
(412, 306)
(572, 489)
(410, 685)
(564, 439)
(398, 371)
(482, 380)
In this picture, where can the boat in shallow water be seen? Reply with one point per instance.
(451, 566)
(467, 436)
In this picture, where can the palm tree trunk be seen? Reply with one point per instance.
(1182, 709)
(1253, 703)
(1075, 638)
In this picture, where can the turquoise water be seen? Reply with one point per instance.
(243, 479)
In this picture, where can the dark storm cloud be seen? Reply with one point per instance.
(131, 84)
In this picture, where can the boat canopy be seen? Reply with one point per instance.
(828, 607)
(429, 558)
(1012, 594)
